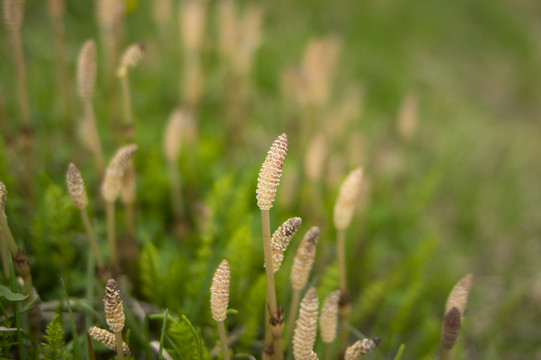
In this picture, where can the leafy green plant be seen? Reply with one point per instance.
(53, 347)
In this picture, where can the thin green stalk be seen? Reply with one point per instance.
(90, 117)
(223, 340)
(447, 354)
(16, 312)
(274, 329)
(26, 129)
(176, 197)
(162, 336)
(21, 77)
(126, 104)
(5, 254)
(341, 254)
(92, 238)
(62, 68)
(27, 285)
(119, 346)
(328, 351)
(293, 312)
(129, 213)
(89, 286)
(345, 306)
(76, 343)
(111, 233)
(7, 235)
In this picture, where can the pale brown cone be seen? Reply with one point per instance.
(450, 328)
(3, 196)
(360, 348)
(76, 187)
(86, 71)
(248, 39)
(459, 295)
(281, 238)
(306, 326)
(347, 198)
(313, 356)
(112, 303)
(107, 338)
(173, 136)
(112, 182)
(407, 117)
(13, 14)
(127, 191)
(318, 64)
(227, 25)
(162, 11)
(219, 291)
(192, 17)
(271, 170)
(304, 259)
(315, 158)
(329, 317)
(109, 13)
(130, 58)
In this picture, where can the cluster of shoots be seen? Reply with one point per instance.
(114, 316)
(239, 37)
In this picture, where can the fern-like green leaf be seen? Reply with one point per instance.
(184, 341)
(149, 277)
(52, 349)
(252, 315)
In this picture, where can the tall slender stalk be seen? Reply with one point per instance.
(223, 340)
(176, 197)
(272, 305)
(267, 184)
(92, 239)
(86, 86)
(345, 302)
(343, 213)
(131, 57)
(110, 189)
(13, 17)
(111, 233)
(175, 133)
(293, 313)
(119, 346)
(126, 105)
(56, 12)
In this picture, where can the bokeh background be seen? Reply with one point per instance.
(438, 101)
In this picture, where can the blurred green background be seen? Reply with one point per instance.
(461, 195)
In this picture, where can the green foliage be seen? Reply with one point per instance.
(328, 281)
(184, 341)
(7, 338)
(252, 314)
(51, 232)
(150, 280)
(52, 349)
(10, 296)
(239, 252)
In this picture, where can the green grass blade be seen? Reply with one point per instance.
(76, 343)
(162, 336)
(16, 314)
(400, 352)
